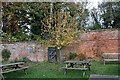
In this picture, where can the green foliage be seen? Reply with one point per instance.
(23, 59)
(106, 16)
(110, 12)
(18, 37)
(95, 27)
(6, 54)
(16, 14)
(21, 36)
(94, 59)
(72, 55)
(81, 56)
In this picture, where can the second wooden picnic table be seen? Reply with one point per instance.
(76, 65)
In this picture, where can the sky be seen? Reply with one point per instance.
(93, 3)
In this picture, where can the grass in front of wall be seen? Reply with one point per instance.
(107, 69)
(52, 70)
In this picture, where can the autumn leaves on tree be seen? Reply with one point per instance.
(62, 29)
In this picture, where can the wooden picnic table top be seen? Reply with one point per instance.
(11, 64)
(72, 61)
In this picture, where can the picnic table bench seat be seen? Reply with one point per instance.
(110, 57)
(75, 68)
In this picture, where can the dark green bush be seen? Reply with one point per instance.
(6, 54)
(23, 59)
(72, 55)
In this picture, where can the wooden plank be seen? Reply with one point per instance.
(78, 62)
(15, 69)
(75, 68)
(111, 60)
(111, 55)
(11, 64)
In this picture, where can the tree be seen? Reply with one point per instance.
(96, 19)
(17, 16)
(14, 17)
(110, 14)
(63, 29)
(79, 12)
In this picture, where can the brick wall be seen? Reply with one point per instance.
(31, 50)
(95, 42)
(90, 43)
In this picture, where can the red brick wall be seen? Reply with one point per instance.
(33, 51)
(95, 42)
(90, 43)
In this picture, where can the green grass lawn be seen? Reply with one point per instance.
(52, 70)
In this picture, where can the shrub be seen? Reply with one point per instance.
(94, 59)
(82, 56)
(23, 59)
(6, 54)
(72, 55)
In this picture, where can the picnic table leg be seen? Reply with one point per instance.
(2, 77)
(25, 71)
(84, 73)
(16, 66)
(89, 67)
(65, 71)
(104, 62)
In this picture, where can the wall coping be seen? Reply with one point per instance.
(101, 30)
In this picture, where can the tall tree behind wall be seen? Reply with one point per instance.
(16, 15)
(110, 14)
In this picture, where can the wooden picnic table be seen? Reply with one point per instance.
(76, 65)
(11, 67)
(110, 57)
